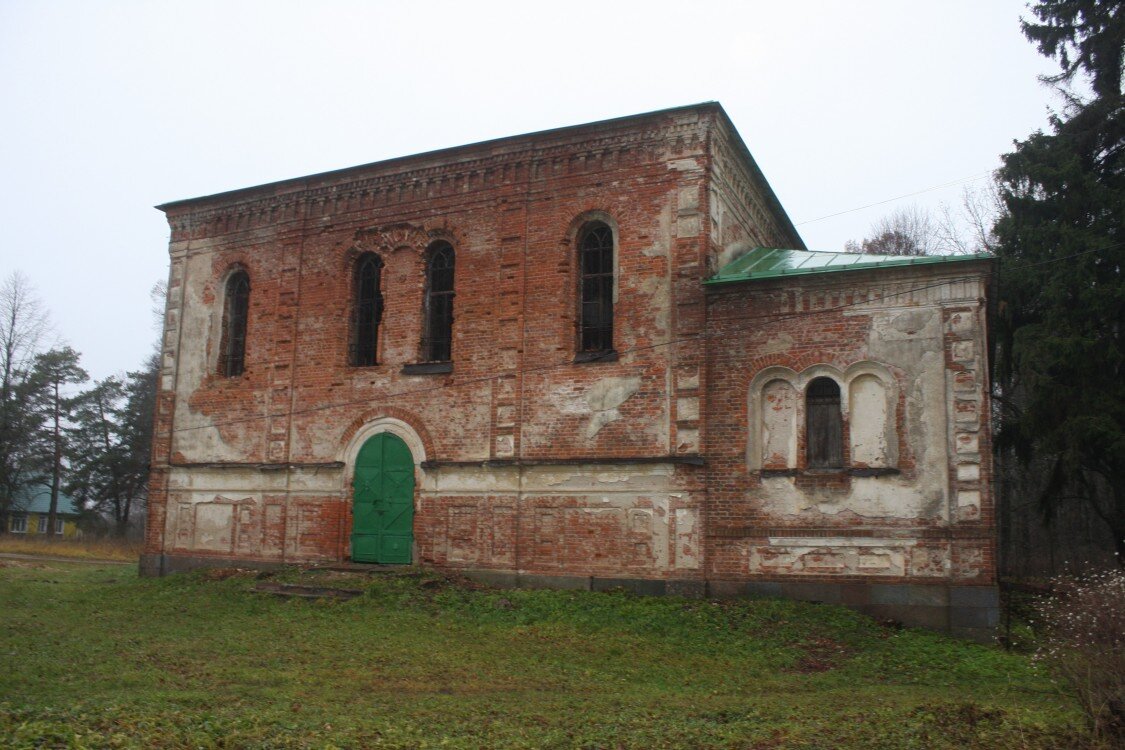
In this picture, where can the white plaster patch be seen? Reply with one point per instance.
(505, 445)
(777, 344)
(605, 396)
(963, 351)
(687, 408)
(968, 562)
(968, 442)
(640, 521)
(868, 410)
(875, 563)
(214, 527)
(930, 562)
(683, 165)
(549, 479)
(908, 327)
(965, 381)
(474, 480)
(870, 497)
(830, 556)
(687, 539)
(968, 472)
(962, 322)
(968, 498)
(688, 199)
(966, 412)
(687, 440)
(838, 541)
(687, 378)
(779, 426)
(912, 321)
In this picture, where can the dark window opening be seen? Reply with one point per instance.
(437, 338)
(236, 306)
(367, 310)
(824, 434)
(595, 247)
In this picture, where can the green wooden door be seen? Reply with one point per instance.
(383, 513)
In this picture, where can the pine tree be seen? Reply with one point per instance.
(1061, 323)
(54, 371)
(110, 443)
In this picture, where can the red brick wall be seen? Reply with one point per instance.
(803, 322)
(511, 213)
(268, 450)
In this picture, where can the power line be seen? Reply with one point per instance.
(773, 317)
(898, 197)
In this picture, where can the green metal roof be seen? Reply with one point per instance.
(36, 498)
(768, 263)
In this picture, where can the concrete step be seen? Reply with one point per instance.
(371, 568)
(305, 592)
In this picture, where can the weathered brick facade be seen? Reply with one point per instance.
(642, 467)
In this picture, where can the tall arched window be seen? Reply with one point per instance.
(367, 310)
(595, 249)
(824, 426)
(437, 336)
(236, 305)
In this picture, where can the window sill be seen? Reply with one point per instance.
(606, 356)
(852, 472)
(428, 368)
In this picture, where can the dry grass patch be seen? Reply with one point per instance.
(81, 549)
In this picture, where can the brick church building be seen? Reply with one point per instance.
(598, 356)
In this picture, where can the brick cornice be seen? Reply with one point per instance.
(450, 172)
(737, 172)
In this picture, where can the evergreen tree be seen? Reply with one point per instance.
(54, 371)
(1061, 323)
(110, 444)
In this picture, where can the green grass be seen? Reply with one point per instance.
(94, 657)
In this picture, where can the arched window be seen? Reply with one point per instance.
(236, 305)
(595, 250)
(824, 425)
(367, 310)
(437, 335)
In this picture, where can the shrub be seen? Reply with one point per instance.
(1083, 646)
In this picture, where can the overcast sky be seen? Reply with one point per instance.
(109, 108)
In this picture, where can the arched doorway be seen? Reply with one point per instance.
(383, 505)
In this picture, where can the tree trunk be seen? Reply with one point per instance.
(122, 521)
(56, 469)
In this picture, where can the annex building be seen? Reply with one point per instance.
(590, 357)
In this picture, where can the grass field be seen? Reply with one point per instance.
(83, 549)
(96, 657)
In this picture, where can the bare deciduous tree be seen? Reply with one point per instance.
(968, 229)
(908, 230)
(912, 230)
(23, 325)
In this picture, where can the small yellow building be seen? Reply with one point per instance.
(30, 513)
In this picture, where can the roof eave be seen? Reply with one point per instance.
(297, 184)
(771, 197)
(915, 262)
